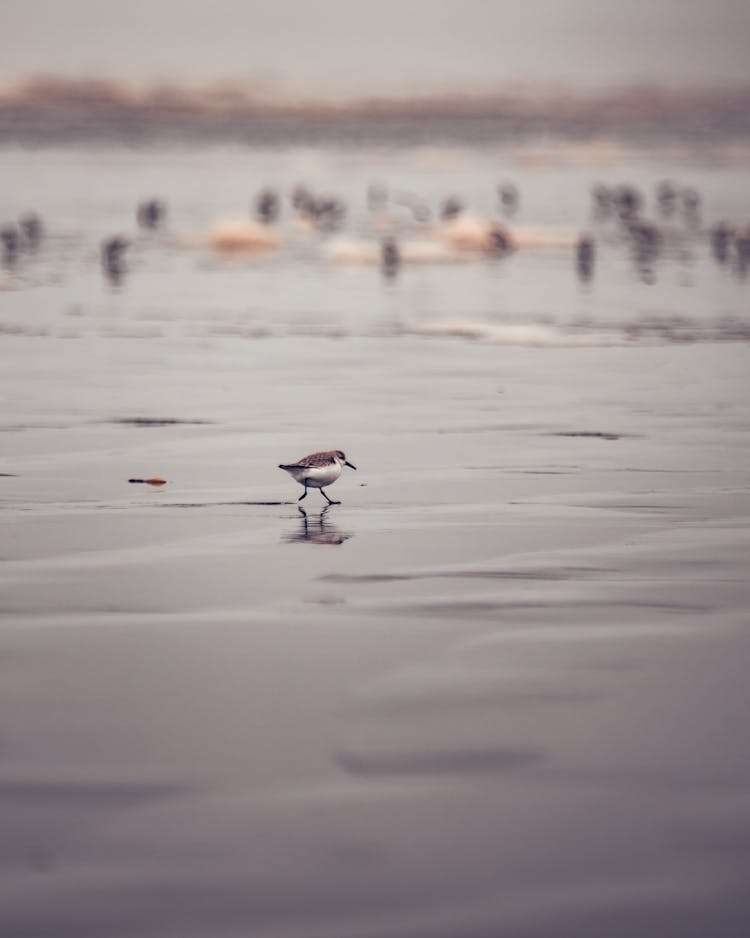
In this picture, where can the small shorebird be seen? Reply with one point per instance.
(318, 470)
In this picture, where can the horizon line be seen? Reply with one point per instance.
(252, 91)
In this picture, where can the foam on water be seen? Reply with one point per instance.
(533, 335)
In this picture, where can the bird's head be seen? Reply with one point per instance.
(341, 456)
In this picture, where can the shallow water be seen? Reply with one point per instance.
(500, 690)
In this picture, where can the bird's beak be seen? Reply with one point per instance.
(347, 463)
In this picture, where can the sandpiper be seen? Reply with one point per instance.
(317, 471)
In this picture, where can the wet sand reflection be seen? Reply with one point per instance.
(317, 529)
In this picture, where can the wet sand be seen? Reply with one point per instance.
(500, 690)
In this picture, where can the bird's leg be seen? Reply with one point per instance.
(303, 495)
(329, 500)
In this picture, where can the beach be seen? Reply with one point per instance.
(500, 690)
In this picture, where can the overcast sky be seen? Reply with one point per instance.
(351, 46)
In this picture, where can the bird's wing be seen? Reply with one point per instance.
(314, 461)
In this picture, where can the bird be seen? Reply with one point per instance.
(317, 471)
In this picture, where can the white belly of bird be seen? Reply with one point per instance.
(317, 477)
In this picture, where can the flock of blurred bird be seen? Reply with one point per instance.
(405, 229)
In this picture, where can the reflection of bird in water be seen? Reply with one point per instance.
(317, 529)
(317, 471)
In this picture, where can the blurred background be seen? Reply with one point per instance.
(331, 48)
(605, 142)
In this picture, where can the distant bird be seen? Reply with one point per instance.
(509, 198)
(324, 212)
(317, 471)
(646, 242)
(451, 208)
(151, 214)
(301, 198)
(691, 207)
(602, 202)
(328, 213)
(11, 242)
(499, 241)
(32, 229)
(627, 201)
(112, 258)
(390, 257)
(585, 255)
(267, 206)
(666, 197)
(742, 249)
(691, 203)
(721, 242)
